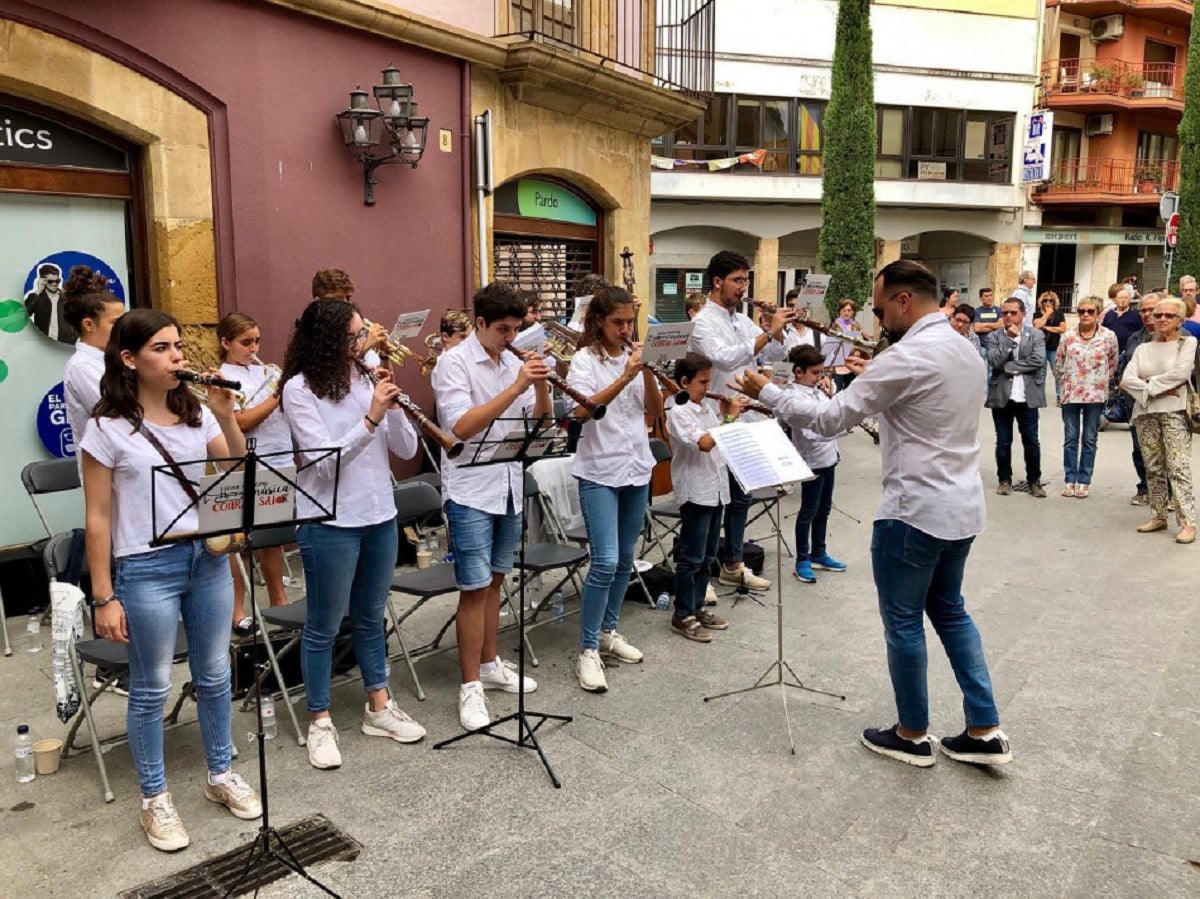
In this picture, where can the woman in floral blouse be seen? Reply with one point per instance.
(1085, 362)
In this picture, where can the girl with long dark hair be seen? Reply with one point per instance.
(147, 418)
(329, 399)
(612, 465)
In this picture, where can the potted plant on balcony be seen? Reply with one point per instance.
(1134, 83)
(1149, 177)
(1103, 78)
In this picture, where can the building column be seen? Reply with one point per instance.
(1105, 260)
(886, 251)
(1004, 267)
(766, 270)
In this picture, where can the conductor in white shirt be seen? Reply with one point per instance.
(931, 509)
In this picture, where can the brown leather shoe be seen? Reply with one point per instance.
(1187, 534)
(1004, 489)
(1154, 524)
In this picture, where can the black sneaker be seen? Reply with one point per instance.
(965, 748)
(886, 741)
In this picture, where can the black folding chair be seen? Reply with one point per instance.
(545, 557)
(662, 518)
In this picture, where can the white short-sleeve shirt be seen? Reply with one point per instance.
(614, 451)
(81, 384)
(272, 434)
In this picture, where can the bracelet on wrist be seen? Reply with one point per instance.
(99, 603)
(373, 421)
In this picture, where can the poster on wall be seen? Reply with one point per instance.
(44, 285)
(1035, 155)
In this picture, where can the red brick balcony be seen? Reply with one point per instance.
(1098, 85)
(1170, 12)
(1107, 182)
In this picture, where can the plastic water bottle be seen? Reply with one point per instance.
(24, 754)
(33, 633)
(663, 601)
(270, 728)
(558, 607)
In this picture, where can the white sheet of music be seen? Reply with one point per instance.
(759, 455)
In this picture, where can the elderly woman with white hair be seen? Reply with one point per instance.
(1157, 378)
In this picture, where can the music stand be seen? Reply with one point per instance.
(752, 454)
(247, 490)
(525, 440)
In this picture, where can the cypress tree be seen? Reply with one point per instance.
(1187, 252)
(847, 241)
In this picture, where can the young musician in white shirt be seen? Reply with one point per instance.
(144, 415)
(612, 465)
(91, 309)
(701, 483)
(260, 418)
(476, 383)
(329, 400)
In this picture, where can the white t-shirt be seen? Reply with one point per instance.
(614, 451)
(81, 384)
(113, 443)
(272, 435)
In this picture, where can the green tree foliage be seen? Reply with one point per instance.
(1187, 252)
(847, 242)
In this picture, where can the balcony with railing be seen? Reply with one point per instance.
(1169, 12)
(668, 43)
(1122, 182)
(1095, 85)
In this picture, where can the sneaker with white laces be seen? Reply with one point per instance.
(236, 795)
(505, 677)
(741, 575)
(323, 749)
(162, 824)
(389, 721)
(472, 707)
(590, 670)
(613, 645)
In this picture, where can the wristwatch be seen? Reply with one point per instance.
(97, 603)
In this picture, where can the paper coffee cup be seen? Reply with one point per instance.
(47, 754)
(424, 558)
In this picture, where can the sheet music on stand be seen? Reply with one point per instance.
(760, 455)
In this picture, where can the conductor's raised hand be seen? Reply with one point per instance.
(751, 383)
(856, 363)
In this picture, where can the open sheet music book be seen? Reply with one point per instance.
(759, 455)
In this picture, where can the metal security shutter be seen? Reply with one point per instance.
(547, 266)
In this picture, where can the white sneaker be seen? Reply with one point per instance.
(163, 827)
(614, 645)
(236, 795)
(472, 707)
(590, 670)
(391, 722)
(323, 744)
(735, 577)
(710, 596)
(504, 677)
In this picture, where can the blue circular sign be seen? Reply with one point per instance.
(65, 259)
(52, 424)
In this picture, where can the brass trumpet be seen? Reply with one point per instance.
(433, 343)
(395, 352)
(451, 444)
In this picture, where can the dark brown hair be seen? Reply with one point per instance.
(232, 325)
(328, 280)
(85, 295)
(317, 348)
(119, 384)
(691, 365)
(910, 276)
(604, 303)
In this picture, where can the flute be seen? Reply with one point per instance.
(595, 410)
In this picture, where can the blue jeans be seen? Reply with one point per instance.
(816, 502)
(156, 589)
(736, 513)
(483, 543)
(1050, 356)
(917, 575)
(347, 572)
(699, 537)
(1026, 418)
(1079, 443)
(614, 518)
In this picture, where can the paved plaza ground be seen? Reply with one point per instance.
(1090, 629)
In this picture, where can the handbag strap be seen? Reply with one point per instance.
(187, 485)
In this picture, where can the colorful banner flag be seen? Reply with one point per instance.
(755, 157)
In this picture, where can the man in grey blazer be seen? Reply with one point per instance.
(1016, 390)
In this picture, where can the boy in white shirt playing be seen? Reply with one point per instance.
(701, 484)
(813, 390)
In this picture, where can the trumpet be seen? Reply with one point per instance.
(396, 352)
(271, 384)
(451, 444)
(595, 410)
(433, 343)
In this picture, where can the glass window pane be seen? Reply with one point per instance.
(948, 124)
(891, 132)
(716, 121)
(975, 144)
(687, 133)
(888, 168)
(920, 135)
(749, 132)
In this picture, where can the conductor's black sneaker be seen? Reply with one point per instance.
(965, 748)
(887, 741)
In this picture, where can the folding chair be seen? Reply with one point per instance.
(544, 557)
(49, 476)
(112, 658)
(662, 517)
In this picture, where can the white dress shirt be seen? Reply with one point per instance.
(816, 450)
(775, 351)
(81, 384)
(1025, 295)
(364, 483)
(614, 451)
(466, 377)
(272, 434)
(727, 339)
(927, 390)
(698, 477)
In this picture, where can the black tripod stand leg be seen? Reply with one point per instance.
(529, 739)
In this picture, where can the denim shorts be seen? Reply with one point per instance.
(483, 544)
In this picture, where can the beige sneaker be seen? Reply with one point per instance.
(163, 827)
(590, 670)
(735, 577)
(615, 646)
(322, 742)
(391, 722)
(236, 795)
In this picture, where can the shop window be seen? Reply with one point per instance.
(889, 128)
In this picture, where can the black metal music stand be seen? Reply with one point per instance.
(268, 845)
(524, 440)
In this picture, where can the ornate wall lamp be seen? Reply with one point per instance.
(392, 133)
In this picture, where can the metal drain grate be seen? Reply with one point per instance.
(312, 840)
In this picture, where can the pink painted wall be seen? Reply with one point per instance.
(289, 196)
(478, 16)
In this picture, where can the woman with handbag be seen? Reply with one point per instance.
(147, 417)
(1085, 363)
(1158, 378)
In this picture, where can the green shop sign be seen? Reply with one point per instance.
(1143, 236)
(534, 198)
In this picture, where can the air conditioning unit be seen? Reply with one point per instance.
(1108, 28)
(1099, 125)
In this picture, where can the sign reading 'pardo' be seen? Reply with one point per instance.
(535, 198)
